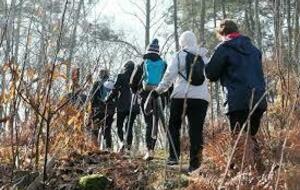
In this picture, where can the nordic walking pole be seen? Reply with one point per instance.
(102, 130)
(129, 118)
(155, 118)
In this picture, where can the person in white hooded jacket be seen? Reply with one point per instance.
(197, 101)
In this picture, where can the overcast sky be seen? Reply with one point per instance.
(121, 13)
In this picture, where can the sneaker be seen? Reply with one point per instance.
(172, 162)
(149, 155)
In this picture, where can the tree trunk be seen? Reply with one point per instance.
(224, 9)
(202, 22)
(42, 52)
(147, 26)
(193, 15)
(175, 25)
(251, 21)
(217, 91)
(277, 30)
(73, 42)
(297, 34)
(257, 25)
(17, 32)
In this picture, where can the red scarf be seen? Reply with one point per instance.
(233, 35)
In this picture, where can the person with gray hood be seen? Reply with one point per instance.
(196, 96)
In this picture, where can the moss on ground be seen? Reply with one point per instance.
(94, 182)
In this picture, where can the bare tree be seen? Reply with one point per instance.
(175, 18)
(258, 33)
(297, 33)
(202, 22)
(147, 23)
(73, 40)
(224, 8)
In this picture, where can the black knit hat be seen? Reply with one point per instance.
(153, 47)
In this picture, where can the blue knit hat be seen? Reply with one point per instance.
(153, 47)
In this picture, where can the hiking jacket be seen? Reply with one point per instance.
(238, 65)
(121, 91)
(98, 96)
(136, 81)
(181, 87)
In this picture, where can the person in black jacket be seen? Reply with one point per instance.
(102, 112)
(124, 97)
(138, 84)
(238, 65)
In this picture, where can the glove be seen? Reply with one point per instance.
(134, 89)
(108, 99)
(155, 94)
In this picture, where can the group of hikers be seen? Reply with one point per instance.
(182, 84)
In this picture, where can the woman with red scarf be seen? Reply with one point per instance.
(237, 63)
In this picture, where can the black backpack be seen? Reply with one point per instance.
(196, 63)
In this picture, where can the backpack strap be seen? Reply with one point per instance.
(178, 65)
(194, 62)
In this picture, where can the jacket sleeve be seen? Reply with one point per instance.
(136, 78)
(169, 76)
(215, 66)
(94, 89)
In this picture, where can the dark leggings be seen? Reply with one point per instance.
(121, 116)
(195, 112)
(98, 121)
(150, 142)
(238, 118)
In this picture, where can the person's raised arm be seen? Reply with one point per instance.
(215, 66)
(136, 78)
(169, 76)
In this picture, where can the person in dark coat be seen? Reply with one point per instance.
(75, 97)
(137, 84)
(237, 63)
(124, 97)
(102, 111)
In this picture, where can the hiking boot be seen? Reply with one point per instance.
(149, 155)
(172, 162)
(122, 148)
(191, 169)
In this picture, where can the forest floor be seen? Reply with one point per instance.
(73, 169)
(228, 163)
(121, 171)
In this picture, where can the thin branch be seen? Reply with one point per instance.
(138, 6)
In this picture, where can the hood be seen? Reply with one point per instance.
(188, 41)
(128, 67)
(152, 56)
(241, 44)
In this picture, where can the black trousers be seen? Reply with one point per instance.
(100, 121)
(149, 120)
(238, 118)
(196, 113)
(121, 116)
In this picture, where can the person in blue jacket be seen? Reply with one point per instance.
(146, 77)
(237, 63)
